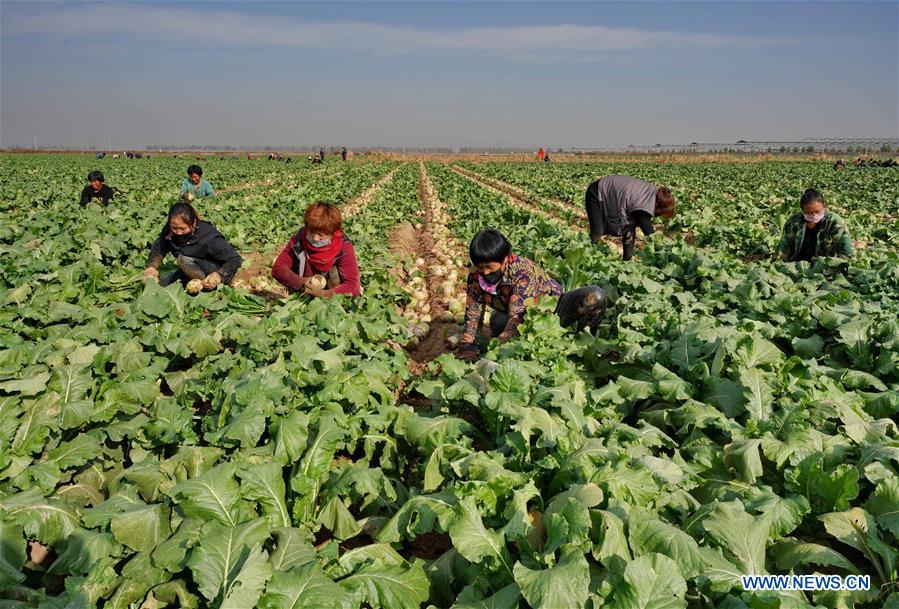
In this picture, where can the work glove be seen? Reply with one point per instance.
(150, 273)
(468, 352)
(212, 281)
(194, 286)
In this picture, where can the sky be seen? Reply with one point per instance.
(451, 74)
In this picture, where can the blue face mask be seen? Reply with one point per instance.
(317, 243)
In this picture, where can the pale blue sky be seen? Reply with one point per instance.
(446, 74)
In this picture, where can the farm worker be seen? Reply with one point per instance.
(194, 185)
(319, 249)
(814, 231)
(617, 205)
(96, 189)
(321, 153)
(541, 153)
(343, 153)
(205, 258)
(507, 283)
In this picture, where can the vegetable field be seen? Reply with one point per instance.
(240, 449)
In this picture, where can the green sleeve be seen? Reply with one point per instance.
(843, 242)
(784, 247)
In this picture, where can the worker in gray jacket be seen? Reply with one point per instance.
(618, 205)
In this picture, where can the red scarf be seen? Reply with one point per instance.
(322, 258)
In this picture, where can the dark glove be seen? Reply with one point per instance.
(629, 240)
(468, 352)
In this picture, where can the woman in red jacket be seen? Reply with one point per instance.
(320, 248)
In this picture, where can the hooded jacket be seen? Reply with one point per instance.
(205, 243)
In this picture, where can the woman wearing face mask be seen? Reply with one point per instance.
(319, 248)
(505, 282)
(618, 205)
(814, 232)
(205, 258)
(194, 185)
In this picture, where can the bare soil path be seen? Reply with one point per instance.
(356, 205)
(444, 277)
(524, 204)
(520, 194)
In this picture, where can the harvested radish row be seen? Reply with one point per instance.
(448, 269)
(354, 206)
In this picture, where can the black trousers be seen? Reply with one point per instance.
(597, 221)
(595, 215)
(584, 306)
(190, 268)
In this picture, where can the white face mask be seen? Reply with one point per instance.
(317, 243)
(814, 217)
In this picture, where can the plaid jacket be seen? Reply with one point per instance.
(833, 238)
(522, 280)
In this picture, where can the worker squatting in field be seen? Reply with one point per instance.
(194, 186)
(319, 260)
(96, 189)
(508, 284)
(814, 231)
(204, 257)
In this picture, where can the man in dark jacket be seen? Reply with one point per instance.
(618, 205)
(96, 190)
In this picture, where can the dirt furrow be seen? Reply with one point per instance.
(529, 207)
(255, 275)
(519, 194)
(354, 206)
(515, 202)
(437, 280)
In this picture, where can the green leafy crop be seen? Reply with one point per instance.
(733, 415)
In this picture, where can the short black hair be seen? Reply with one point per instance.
(489, 245)
(195, 169)
(95, 175)
(811, 196)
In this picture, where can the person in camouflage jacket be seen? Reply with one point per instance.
(814, 232)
